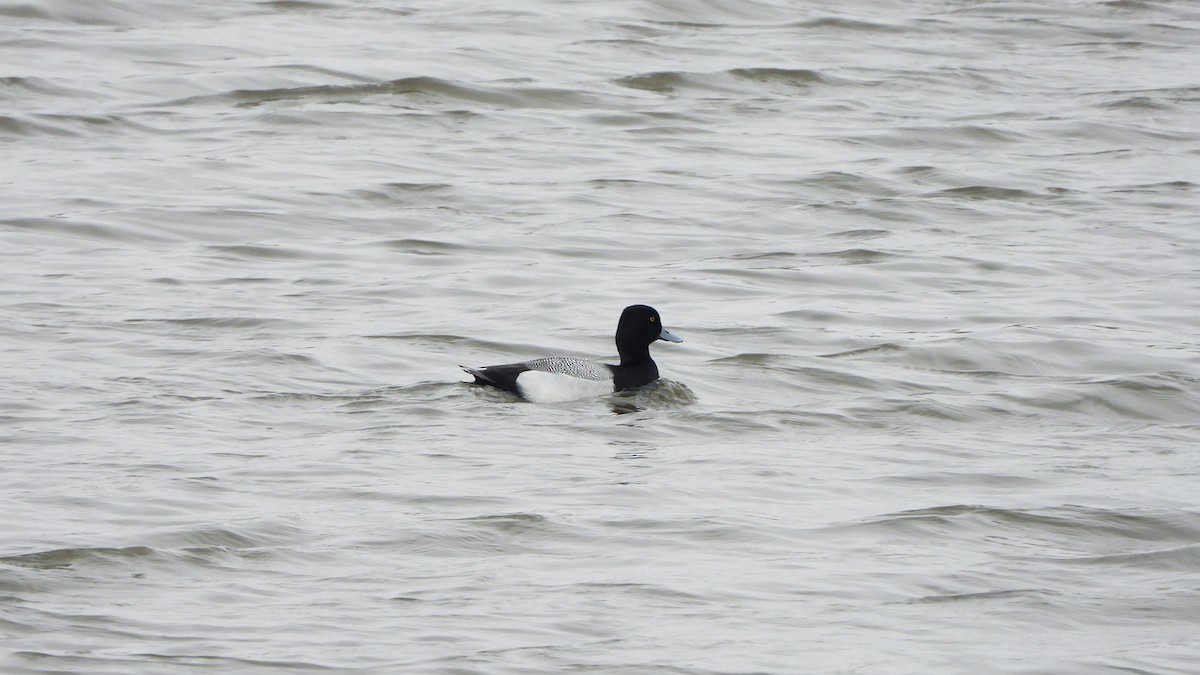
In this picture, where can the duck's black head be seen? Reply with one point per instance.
(639, 326)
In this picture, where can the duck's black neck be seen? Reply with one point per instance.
(636, 369)
(632, 357)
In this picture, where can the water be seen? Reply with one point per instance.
(935, 263)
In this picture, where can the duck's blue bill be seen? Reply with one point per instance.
(668, 336)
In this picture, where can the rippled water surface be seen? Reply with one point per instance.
(936, 264)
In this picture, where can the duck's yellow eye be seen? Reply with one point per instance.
(651, 319)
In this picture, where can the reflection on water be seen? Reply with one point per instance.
(660, 394)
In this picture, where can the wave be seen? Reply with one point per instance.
(948, 136)
(1057, 528)
(1155, 397)
(114, 13)
(739, 80)
(966, 380)
(61, 558)
(430, 89)
(75, 228)
(40, 87)
(486, 534)
(713, 13)
(72, 125)
(233, 323)
(182, 546)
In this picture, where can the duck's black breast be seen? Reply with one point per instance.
(634, 376)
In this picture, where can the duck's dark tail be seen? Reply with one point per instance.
(478, 374)
(502, 377)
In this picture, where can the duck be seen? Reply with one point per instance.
(564, 378)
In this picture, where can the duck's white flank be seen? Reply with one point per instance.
(539, 386)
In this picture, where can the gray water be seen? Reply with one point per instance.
(936, 264)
